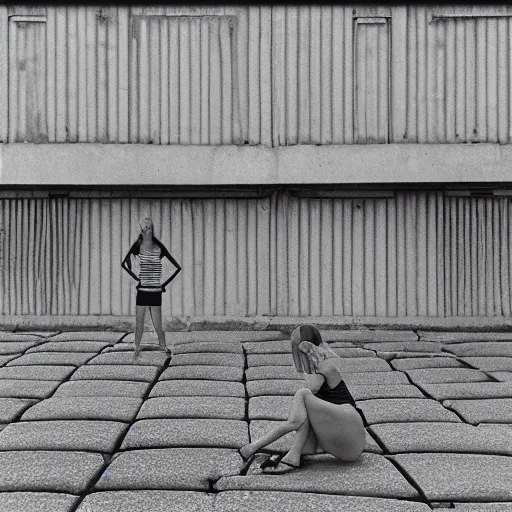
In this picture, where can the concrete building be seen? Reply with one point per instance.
(325, 161)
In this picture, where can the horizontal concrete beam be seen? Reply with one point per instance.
(143, 164)
(261, 323)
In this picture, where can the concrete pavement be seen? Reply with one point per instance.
(84, 428)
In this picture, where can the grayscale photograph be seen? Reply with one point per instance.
(255, 257)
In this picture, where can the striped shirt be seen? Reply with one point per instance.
(150, 270)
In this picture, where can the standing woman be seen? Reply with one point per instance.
(323, 414)
(150, 252)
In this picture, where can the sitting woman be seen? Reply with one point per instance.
(323, 414)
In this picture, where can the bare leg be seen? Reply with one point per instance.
(297, 416)
(156, 317)
(301, 436)
(139, 327)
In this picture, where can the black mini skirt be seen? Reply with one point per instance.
(148, 298)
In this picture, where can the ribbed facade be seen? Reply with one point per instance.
(415, 254)
(270, 75)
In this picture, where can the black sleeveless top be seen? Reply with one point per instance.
(338, 395)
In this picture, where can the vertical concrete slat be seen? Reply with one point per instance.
(399, 74)
(492, 79)
(358, 259)
(241, 249)
(411, 254)
(254, 132)
(209, 257)
(91, 77)
(72, 73)
(123, 52)
(489, 257)
(294, 256)
(174, 81)
(460, 82)
(32, 256)
(282, 249)
(112, 61)
(143, 81)
(468, 278)
(497, 240)
(401, 255)
(326, 74)
(369, 257)
(102, 75)
(199, 252)
(265, 65)
(384, 83)
(481, 79)
(188, 278)
(4, 78)
(304, 105)
(116, 255)
(431, 47)
(337, 257)
(215, 84)
(195, 81)
(503, 62)
(371, 90)
(348, 106)
(338, 73)
(461, 281)
(482, 253)
(252, 260)
(226, 81)
(67, 256)
(326, 260)
(474, 256)
(470, 48)
(304, 243)
(154, 101)
(315, 251)
(421, 17)
(381, 264)
(81, 70)
(263, 256)
(62, 85)
(412, 76)
(220, 256)
(177, 252)
(291, 74)
(421, 254)
(348, 206)
(360, 85)
(231, 260)
(440, 70)
(134, 34)
(47, 271)
(205, 81)
(164, 80)
(279, 50)
(453, 256)
(315, 74)
(504, 257)
(392, 278)
(23, 255)
(23, 77)
(13, 82)
(242, 45)
(273, 252)
(432, 255)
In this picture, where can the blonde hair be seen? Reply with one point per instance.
(308, 353)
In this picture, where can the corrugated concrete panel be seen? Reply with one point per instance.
(415, 254)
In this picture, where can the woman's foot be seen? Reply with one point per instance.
(286, 464)
(246, 451)
(136, 354)
(165, 348)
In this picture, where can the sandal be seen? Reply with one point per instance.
(272, 461)
(247, 461)
(291, 467)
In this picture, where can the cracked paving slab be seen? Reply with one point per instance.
(116, 408)
(463, 337)
(367, 392)
(442, 437)
(61, 435)
(15, 347)
(270, 501)
(405, 346)
(362, 335)
(53, 358)
(171, 433)
(493, 410)
(216, 407)
(123, 372)
(425, 362)
(169, 468)
(482, 349)
(16, 388)
(147, 501)
(51, 471)
(108, 336)
(102, 388)
(468, 390)
(197, 388)
(13, 337)
(490, 363)
(405, 410)
(459, 477)
(208, 346)
(11, 408)
(483, 507)
(371, 475)
(208, 359)
(34, 372)
(439, 375)
(151, 358)
(259, 427)
(228, 336)
(501, 376)
(69, 346)
(5, 359)
(203, 372)
(37, 502)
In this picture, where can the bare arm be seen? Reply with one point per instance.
(126, 264)
(168, 255)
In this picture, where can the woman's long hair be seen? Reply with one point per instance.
(308, 349)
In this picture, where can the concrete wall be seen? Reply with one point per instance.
(138, 164)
